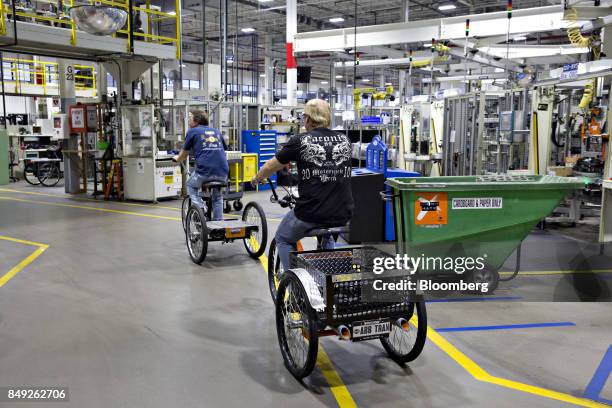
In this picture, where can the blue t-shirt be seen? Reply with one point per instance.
(206, 146)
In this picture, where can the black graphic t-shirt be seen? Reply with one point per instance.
(323, 160)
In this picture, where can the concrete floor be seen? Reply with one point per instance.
(115, 310)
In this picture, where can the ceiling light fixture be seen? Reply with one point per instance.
(265, 1)
(336, 20)
(365, 80)
(324, 82)
(172, 13)
(520, 38)
(338, 76)
(446, 7)
(248, 30)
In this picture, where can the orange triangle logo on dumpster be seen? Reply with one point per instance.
(431, 209)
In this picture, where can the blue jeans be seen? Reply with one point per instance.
(290, 231)
(194, 188)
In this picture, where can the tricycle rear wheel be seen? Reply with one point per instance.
(296, 327)
(404, 345)
(196, 234)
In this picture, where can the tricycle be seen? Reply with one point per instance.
(322, 295)
(252, 228)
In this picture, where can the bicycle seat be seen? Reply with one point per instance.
(214, 184)
(322, 231)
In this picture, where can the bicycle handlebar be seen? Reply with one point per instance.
(287, 201)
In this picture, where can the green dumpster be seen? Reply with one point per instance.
(475, 216)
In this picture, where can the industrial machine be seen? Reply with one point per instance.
(420, 141)
(149, 173)
(473, 141)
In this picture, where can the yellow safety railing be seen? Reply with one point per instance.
(6, 12)
(49, 78)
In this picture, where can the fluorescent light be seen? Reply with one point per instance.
(183, 65)
(520, 38)
(427, 45)
(388, 84)
(172, 13)
(265, 1)
(248, 30)
(336, 20)
(349, 85)
(338, 76)
(324, 82)
(365, 80)
(444, 7)
(262, 75)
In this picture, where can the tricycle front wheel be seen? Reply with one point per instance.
(275, 269)
(296, 326)
(406, 343)
(184, 209)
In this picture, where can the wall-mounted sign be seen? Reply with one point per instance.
(77, 118)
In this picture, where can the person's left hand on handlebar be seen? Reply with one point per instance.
(255, 181)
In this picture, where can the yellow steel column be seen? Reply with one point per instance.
(129, 28)
(72, 27)
(148, 7)
(177, 18)
(2, 22)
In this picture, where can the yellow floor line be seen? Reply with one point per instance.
(481, 375)
(86, 207)
(539, 273)
(74, 197)
(341, 393)
(28, 260)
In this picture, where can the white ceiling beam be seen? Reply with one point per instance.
(539, 19)
(518, 51)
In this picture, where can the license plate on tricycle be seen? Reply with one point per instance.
(370, 329)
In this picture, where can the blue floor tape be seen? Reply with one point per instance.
(504, 327)
(599, 379)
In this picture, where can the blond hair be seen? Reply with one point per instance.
(319, 112)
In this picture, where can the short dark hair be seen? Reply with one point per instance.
(200, 117)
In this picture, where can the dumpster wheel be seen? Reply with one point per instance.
(485, 276)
